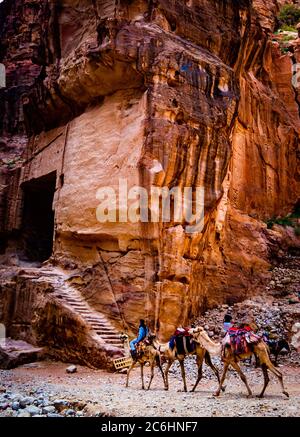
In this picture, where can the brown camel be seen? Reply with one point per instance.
(259, 349)
(172, 354)
(149, 355)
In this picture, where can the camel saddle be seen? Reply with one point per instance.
(240, 339)
(183, 341)
(141, 346)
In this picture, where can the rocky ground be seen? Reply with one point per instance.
(45, 389)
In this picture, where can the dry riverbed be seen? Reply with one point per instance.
(45, 389)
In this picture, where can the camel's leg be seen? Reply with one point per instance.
(198, 377)
(128, 371)
(266, 379)
(142, 375)
(213, 367)
(242, 375)
(257, 363)
(170, 362)
(158, 362)
(199, 361)
(181, 362)
(226, 365)
(264, 358)
(152, 364)
(276, 372)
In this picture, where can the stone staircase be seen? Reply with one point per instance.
(75, 301)
(97, 321)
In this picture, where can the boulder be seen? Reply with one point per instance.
(33, 410)
(60, 404)
(295, 340)
(71, 369)
(14, 353)
(48, 410)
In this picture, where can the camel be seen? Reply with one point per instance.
(259, 349)
(172, 354)
(150, 355)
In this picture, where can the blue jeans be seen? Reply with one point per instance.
(133, 343)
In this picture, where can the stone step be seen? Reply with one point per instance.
(107, 334)
(119, 346)
(96, 320)
(80, 303)
(103, 329)
(111, 341)
(102, 326)
(76, 301)
(81, 308)
(99, 322)
(84, 310)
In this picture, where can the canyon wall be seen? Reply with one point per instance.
(181, 93)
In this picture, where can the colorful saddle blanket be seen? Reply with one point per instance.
(183, 341)
(240, 339)
(141, 346)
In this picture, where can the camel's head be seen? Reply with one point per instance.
(123, 337)
(151, 336)
(202, 338)
(196, 330)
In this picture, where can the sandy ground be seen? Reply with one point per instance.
(106, 392)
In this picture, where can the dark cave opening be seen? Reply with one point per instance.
(38, 217)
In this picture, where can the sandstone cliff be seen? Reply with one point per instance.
(168, 93)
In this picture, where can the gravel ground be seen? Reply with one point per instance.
(45, 389)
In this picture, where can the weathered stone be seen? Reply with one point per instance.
(295, 341)
(71, 369)
(70, 412)
(16, 352)
(49, 409)
(24, 414)
(15, 406)
(60, 404)
(166, 93)
(33, 410)
(26, 401)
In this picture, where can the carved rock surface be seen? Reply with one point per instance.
(164, 93)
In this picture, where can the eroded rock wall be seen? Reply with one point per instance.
(167, 93)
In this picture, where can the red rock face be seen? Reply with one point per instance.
(166, 93)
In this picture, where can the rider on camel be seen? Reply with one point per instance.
(142, 334)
